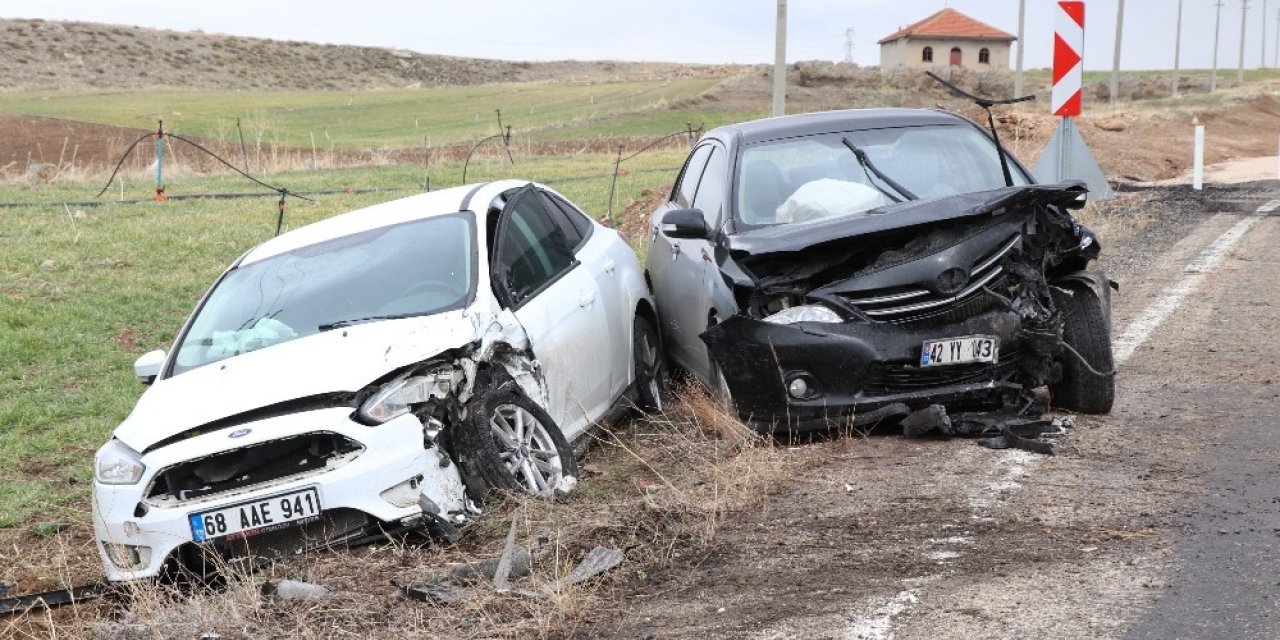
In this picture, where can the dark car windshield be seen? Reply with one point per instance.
(411, 269)
(797, 180)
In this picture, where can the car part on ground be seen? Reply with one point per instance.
(375, 373)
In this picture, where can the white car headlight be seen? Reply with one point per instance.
(118, 464)
(395, 398)
(804, 313)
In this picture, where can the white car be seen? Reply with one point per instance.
(379, 370)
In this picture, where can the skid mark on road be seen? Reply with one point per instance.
(1012, 466)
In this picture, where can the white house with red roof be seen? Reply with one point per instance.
(946, 38)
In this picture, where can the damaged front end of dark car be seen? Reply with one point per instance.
(967, 301)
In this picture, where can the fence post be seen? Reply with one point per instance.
(613, 185)
(244, 158)
(160, 197)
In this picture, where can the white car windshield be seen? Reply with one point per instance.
(411, 269)
(815, 177)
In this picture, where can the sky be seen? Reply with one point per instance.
(707, 31)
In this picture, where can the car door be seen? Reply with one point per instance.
(601, 254)
(675, 267)
(713, 299)
(556, 301)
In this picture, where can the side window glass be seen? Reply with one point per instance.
(710, 196)
(557, 211)
(533, 249)
(688, 184)
(576, 217)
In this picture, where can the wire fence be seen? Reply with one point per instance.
(204, 157)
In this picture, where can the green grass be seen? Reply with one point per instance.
(367, 119)
(82, 296)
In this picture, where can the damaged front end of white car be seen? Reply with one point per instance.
(401, 418)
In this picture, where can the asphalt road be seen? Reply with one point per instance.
(1160, 520)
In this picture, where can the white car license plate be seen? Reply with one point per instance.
(960, 351)
(258, 516)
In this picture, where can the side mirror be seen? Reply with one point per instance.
(684, 223)
(148, 366)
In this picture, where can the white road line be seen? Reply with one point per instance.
(1017, 464)
(1144, 325)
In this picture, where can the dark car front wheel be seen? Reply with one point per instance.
(1087, 330)
(510, 443)
(648, 366)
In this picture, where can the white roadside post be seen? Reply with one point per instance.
(1278, 161)
(1197, 172)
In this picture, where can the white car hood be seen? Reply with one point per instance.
(332, 361)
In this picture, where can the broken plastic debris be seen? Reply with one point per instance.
(565, 485)
(521, 563)
(295, 590)
(434, 592)
(922, 421)
(597, 561)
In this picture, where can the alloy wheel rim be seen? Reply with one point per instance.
(526, 449)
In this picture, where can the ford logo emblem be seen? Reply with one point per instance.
(239, 433)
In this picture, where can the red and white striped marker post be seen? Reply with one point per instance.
(1067, 156)
(1068, 59)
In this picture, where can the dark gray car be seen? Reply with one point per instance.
(818, 267)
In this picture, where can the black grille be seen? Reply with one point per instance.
(910, 304)
(884, 378)
(248, 466)
(330, 529)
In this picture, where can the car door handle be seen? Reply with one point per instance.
(587, 297)
(609, 266)
(675, 251)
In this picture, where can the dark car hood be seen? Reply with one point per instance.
(788, 238)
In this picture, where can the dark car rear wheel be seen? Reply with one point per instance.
(648, 366)
(1087, 330)
(510, 443)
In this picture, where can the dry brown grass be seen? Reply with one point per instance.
(654, 487)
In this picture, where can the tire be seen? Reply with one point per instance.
(509, 443)
(649, 371)
(719, 388)
(1085, 328)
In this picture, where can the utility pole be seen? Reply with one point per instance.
(1217, 23)
(1177, 50)
(1263, 64)
(848, 45)
(1115, 61)
(1244, 15)
(1022, 44)
(780, 61)
(1276, 62)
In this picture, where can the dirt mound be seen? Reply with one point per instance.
(634, 221)
(67, 55)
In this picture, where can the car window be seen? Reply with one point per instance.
(710, 195)
(687, 185)
(532, 248)
(812, 177)
(416, 268)
(573, 222)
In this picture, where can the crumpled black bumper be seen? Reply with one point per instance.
(856, 368)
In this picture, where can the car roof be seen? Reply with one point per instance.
(385, 214)
(829, 121)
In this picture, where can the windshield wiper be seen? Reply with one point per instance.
(986, 104)
(867, 165)
(338, 324)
